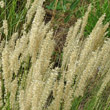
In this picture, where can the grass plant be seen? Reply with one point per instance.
(34, 76)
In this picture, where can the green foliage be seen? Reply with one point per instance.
(76, 8)
(14, 12)
(65, 6)
(76, 103)
(99, 7)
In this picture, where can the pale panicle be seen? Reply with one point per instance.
(5, 27)
(1, 103)
(47, 89)
(46, 51)
(7, 76)
(35, 37)
(13, 90)
(70, 43)
(14, 57)
(2, 4)
(28, 4)
(59, 96)
(12, 41)
(35, 6)
(105, 81)
(85, 75)
(21, 100)
(84, 22)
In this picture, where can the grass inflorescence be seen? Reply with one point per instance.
(54, 55)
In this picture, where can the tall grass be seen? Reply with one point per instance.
(30, 80)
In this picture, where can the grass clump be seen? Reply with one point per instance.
(30, 80)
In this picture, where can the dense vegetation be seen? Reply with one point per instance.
(54, 55)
